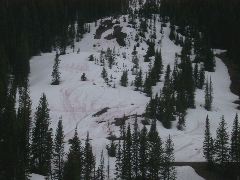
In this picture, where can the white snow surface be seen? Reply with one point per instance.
(187, 173)
(76, 101)
(183, 173)
(36, 177)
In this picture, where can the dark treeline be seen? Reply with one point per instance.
(223, 152)
(29, 27)
(218, 19)
(143, 155)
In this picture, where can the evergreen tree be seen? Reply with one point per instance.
(158, 63)
(147, 58)
(58, 153)
(71, 35)
(3, 75)
(196, 75)
(197, 43)
(208, 95)
(127, 156)
(91, 57)
(209, 62)
(123, 131)
(201, 78)
(167, 77)
(181, 122)
(186, 50)
(156, 70)
(143, 153)
(110, 57)
(111, 149)
(188, 80)
(62, 40)
(148, 86)
(108, 169)
(143, 25)
(197, 58)
(176, 74)
(135, 61)
(111, 61)
(73, 166)
(221, 144)
(207, 99)
(89, 160)
(80, 29)
(167, 99)
(118, 162)
(24, 127)
(235, 151)
(124, 79)
(102, 60)
(172, 35)
(151, 107)
(100, 170)
(49, 156)
(135, 150)
(104, 75)
(22, 54)
(42, 140)
(155, 152)
(138, 81)
(150, 51)
(55, 72)
(169, 172)
(83, 77)
(9, 141)
(177, 40)
(134, 53)
(208, 146)
(211, 91)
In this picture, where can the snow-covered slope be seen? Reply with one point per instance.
(76, 101)
(183, 173)
(187, 173)
(36, 177)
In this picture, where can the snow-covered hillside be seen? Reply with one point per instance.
(77, 101)
(183, 173)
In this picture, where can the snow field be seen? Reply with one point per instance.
(76, 101)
